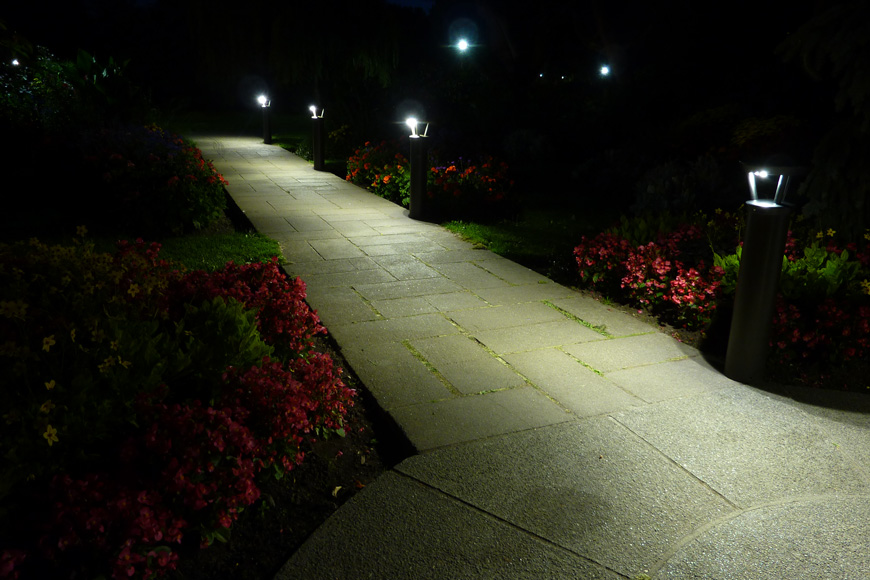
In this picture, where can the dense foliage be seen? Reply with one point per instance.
(90, 122)
(684, 269)
(459, 189)
(143, 404)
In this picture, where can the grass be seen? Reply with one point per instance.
(541, 239)
(211, 252)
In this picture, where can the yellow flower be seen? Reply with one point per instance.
(50, 435)
(81, 231)
(820, 235)
(831, 232)
(134, 289)
(865, 286)
(107, 363)
(46, 407)
(50, 384)
(48, 342)
(13, 309)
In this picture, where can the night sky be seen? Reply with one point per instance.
(532, 72)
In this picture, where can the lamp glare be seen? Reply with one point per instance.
(462, 45)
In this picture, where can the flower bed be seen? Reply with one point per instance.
(143, 404)
(460, 189)
(152, 181)
(676, 268)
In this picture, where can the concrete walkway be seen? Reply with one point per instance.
(556, 438)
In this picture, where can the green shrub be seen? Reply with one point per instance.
(142, 404)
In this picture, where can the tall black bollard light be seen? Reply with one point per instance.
(758, 278)
(265, 104)
(421, 207)
(318, 138)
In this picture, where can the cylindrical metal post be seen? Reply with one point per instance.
(420, 206)
(267, 128)
(757, 283)
(317, 142)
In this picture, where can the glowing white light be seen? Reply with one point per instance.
(411, 122)
(462, 45)
(313, 110)
(604, 70)
(541, 75)
(762, 174)
(263, 100)
(15, 62)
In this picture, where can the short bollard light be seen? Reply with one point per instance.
(265, 104)
(318, 139)
(420, 207)
(760, 266)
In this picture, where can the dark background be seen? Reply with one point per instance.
(686, 76)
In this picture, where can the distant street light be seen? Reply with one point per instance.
(420, 208)
(462, 45)
(317, 141)
(760, 266)
(265, 103)
(604, 70)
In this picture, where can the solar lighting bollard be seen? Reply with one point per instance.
(421, 207)
(265, 104)
(318, 138)
(758, 278)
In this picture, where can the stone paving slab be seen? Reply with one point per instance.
(506, 316)
(817, 538)
(393, 248)
(670, 380)
(630, 351)
(339, 305)
(336, 249)
(471, 418)
(476, 377)
(455, 301)
(395, 330)
(536, 336)
(591, 487)
(401, 307)
(383, 366)
(470, 276)
(523, 294)
(407, 288)
(403, 267)
(349, 279)
(442, 350)
(613, 321)
(722, 437)
(574, 386)
(430, 537)
(511, 272)
(321, 266)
